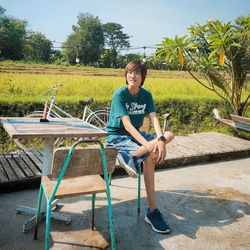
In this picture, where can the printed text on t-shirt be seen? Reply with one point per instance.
(135, 108)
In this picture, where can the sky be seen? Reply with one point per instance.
(145, 21)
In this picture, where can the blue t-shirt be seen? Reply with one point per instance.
(123, 103)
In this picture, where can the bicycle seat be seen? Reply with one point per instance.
(166, 116)
(88, 102)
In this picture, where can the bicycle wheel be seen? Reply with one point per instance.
(98, 118)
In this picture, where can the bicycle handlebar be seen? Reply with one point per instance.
(54, 87)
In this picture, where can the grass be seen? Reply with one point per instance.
(30, 87)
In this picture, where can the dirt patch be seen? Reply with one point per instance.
(227, 239)
(228, 193)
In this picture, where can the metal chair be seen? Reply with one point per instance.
(76, 171)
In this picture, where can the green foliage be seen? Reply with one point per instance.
(115, 39)
(37, 47)
(86, 40)
(12, 35)
(220, 54)
(18, 44)
(58, 58)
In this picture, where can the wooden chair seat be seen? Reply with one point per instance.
(75, 186)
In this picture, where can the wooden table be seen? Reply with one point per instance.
(28, 128)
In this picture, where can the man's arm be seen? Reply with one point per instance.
(156, 124)
(136, 134)
(160, 146)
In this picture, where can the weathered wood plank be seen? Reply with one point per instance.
(235, 145)
(227, 139)
(15, 167)
(171, 152)
(3, 176)
(24, 166)
(31, 165)
(198, 147)
(23, 127)
(84, 161)
(184, 149)
(35, 160)
(205, 145)
(217, 142)
(8, 170)
(38, 154)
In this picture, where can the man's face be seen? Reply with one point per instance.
(134, 78)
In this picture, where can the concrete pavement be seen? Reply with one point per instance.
(207, 207)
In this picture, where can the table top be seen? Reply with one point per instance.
(25, 127)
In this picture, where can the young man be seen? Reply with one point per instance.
(130, 104)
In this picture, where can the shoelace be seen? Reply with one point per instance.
(157, 214)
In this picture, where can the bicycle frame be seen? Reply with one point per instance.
(54, 109)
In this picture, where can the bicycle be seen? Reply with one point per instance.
(97, 118)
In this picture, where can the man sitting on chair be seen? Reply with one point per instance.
(130, 104)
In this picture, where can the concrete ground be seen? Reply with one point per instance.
(207, 207)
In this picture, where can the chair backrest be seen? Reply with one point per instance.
(85, 161)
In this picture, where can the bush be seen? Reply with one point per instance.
(187, 116)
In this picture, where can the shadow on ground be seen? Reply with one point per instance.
(187, 211)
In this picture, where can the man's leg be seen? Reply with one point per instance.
(142, 151)
(148, 172)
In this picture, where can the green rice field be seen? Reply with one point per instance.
(22, 82)
(16, 87)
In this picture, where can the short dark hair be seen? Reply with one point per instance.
(136, 65)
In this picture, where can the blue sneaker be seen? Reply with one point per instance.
(127, 162)
(155, 219)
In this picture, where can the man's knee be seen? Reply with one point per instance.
(169, 136)
(150, 160)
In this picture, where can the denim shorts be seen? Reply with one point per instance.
(126, 145)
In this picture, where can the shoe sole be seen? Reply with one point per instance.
(156, 230)
(129, 171)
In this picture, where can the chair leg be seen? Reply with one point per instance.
(111, 226)
(47, 232)
(110, 178)
(139, 191)
(106, 178)
(93, 212)
(38, 211)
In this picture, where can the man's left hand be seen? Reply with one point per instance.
(160, 148)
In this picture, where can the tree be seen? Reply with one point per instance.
(57, 57)
(12, 35)
(86, 40)
(2, 10)
(115, 39)
(220, 53)
(37, 47)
